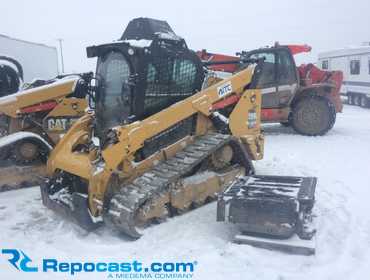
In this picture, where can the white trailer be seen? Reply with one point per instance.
(38, 61)
(354, 62)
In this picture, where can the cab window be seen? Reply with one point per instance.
(114, 92)
(286, 68)
(268, 77)
(168, 80)
(355, 67)
(325, 65)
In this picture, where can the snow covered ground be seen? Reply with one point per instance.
(341, 161)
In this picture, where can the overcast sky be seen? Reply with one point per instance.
(218, 26)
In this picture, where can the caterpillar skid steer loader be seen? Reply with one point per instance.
(156, 145)
(32, 121)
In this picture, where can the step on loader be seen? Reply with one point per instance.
(155, 145)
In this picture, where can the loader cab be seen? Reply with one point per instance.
(279, 78)
(113, 90)
(148, 69)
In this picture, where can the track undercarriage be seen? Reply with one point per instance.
(193, 177)
(22, 164)
(19, 177)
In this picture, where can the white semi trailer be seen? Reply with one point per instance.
(354, 62)
(38, 61)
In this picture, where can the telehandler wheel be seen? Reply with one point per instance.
(26, 152)
(313, 115)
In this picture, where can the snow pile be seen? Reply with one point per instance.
(15, 137)
(340, 160)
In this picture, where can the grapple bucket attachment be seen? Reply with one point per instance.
(273, 212)
(73, 206)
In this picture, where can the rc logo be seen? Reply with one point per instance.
(19, 260)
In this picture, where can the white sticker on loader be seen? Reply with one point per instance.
(224, 89)
(252, 119)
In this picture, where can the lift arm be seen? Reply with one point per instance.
(134, 135)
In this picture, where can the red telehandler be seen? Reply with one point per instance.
(303, 97)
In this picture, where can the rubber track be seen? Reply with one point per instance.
(125, 204)
(20, 177)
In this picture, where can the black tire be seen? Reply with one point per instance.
(350, 99)
(313, 115)
(364, 101)
(9, 80)
(285, 124)
(356, 100)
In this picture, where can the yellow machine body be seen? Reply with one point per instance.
(118, 158)
(31, 122)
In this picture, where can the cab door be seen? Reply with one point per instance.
(114, 93)
(287, 77)
(267, 80)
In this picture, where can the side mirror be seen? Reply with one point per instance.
(91, 90)
(92, 99)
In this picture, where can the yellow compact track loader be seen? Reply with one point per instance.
(32, 121)
(156, 145)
